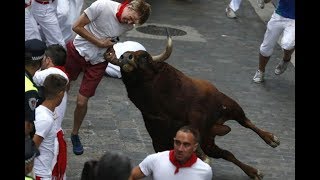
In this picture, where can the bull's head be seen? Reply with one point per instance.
(130, 60)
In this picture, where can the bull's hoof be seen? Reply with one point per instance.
(275, 141)
(258, 176)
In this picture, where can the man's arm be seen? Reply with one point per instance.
(78, 27)
(37, 140)
(136, 173)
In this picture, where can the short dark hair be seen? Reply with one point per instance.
(112, 165)
(193, 131)
(53, 84)
(57, 53)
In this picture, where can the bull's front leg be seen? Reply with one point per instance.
(212, 150)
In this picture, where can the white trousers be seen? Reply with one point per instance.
(68, 11)
(46, 17)
(31, 30)
(235, 4)
(276, 27)
(113, 70)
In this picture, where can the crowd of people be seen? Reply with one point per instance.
(60, 43)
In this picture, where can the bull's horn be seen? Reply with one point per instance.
(165, 54)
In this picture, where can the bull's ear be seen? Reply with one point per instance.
(165, 54)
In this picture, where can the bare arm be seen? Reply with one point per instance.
(78, 27)
(37, 140)
(136, 173)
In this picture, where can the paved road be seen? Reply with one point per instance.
(221, 50)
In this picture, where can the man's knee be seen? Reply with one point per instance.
(82, 101)
(288, 44)
(266, 51)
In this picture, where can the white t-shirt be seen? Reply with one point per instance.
(45, 127)
(60, 110)
(104, 24)
(160, 167)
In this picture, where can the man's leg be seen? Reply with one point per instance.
(79, 114)
(232, 8)
(271, 36)
(259, 76)
(282, 66)
(287, 54)
(263, 61)
(287, 44)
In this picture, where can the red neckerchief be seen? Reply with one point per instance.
(62, 68)
(189, 163)
(60, 167)
(119, 13)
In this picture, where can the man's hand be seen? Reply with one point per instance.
(106, 43)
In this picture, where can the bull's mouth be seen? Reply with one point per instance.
(130, 64)
(127, 68)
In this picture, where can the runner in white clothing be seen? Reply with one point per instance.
(97, 28)
(54, 88)
(53, 63)
(31, 30)
(179, 163)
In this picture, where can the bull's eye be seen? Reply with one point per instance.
(121, 57)
(130, 56)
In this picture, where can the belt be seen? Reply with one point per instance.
(43, 2)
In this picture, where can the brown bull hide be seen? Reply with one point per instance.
(168, 100)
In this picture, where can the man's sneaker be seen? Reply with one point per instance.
(258, 77)
(260, 3)
(77, 146)
(230, 13)
(281, 67)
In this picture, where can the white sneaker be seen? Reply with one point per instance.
(260, 3)
(281, 67)
(258, 77)
(230, 13)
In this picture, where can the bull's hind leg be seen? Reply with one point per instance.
(237, 113)
(217, 129)
(212, 150)
(268, 137)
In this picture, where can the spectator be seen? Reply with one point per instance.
(235, 4)
(34, 52)
(100, 23)
(282, 22)
(45, 13)
(53, 63)
(67, 12)
(30, 153)
(112, 165)
(44, 138)
(31, 30)
(179, 163)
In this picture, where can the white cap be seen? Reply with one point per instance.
(122, 47)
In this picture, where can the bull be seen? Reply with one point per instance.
(168, 100)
